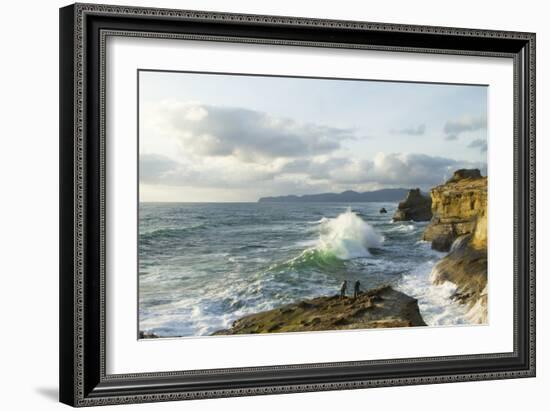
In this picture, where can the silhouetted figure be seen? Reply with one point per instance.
(383, 211)
(356, 289)
(343, 289)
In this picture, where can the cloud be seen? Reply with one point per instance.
(390, 170)
(241, 153)
(315, 169)
(302, 176)
(225, 173)
(408, 170)
(249, 135)
(453, 128)
(153, 166)
(479, 143)
(412, 131)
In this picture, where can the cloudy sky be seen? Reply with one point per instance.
(217, 138)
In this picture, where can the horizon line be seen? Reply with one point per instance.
(290, 195)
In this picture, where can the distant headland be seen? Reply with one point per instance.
(386, 194)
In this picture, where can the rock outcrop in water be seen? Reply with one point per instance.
(381, 307)
(147, 334)
(459, 225)
(416, 207)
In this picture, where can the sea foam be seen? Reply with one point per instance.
(434, 301)
(348, 236)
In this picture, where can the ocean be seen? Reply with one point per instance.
(204, 265)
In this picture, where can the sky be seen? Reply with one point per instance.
(236, 138)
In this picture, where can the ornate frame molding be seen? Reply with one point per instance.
(83, 378)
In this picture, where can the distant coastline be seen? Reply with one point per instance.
(386, 194)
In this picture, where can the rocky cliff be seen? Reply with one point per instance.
(416, 207)
(381, 307)
(459, 225)
(466, 267)
(457, 207)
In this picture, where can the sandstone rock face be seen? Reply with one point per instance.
(458, 207)
(463, 173)
(416, 207)
(479, 240)
(381, 307)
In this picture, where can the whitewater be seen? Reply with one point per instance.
(202, 266)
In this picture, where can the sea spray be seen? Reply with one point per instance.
(344, 237)
(348, 236)
(434, 300)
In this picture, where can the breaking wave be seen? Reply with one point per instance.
(344, 237)
(347, 236)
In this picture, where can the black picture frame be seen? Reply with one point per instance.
(83, 29)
